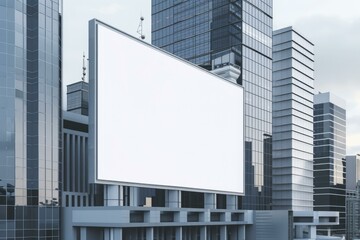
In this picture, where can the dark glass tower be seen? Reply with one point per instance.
(78, 98)
(329, 158)
(216, 33)
(30, 114)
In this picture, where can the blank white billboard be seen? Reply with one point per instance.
(162, 122)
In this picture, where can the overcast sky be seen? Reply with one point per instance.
(334, 29)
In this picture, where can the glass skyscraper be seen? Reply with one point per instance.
(217, 33)
(78, 98)
(293, 91)
(329, 157)
(30, 118)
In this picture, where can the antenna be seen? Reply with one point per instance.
(140, 28)
(83, 68)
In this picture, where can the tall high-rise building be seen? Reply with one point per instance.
(352, 171)
(293, 91)
(238, 33)
(30, 118)
(329, 157)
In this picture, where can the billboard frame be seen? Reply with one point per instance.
(93, 114)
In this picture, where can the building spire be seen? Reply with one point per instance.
(84, 69)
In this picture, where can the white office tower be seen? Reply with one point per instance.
(293, 87)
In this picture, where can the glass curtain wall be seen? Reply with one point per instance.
(240, 33)
(30, 139)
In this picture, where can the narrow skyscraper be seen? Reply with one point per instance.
(293, 90)
(329, 158)
(30, 118)
(216, 34)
